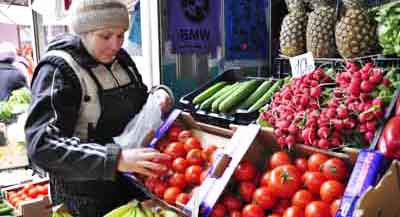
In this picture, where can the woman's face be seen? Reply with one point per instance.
(104, 44)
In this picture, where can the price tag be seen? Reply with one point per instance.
(302, 64)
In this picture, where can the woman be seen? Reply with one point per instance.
(85, 90)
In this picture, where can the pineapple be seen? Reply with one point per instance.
(321, 29)
(355, 32)
(293, 29)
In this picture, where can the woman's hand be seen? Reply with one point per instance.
(140, 161)
(164, 100)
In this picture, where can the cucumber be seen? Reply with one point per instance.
(209, 92)
(6, 210)
(240, 94)
(207, 103)
(215, 104)
(264, 99)
(263, 88)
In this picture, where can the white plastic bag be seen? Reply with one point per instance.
(146, 122)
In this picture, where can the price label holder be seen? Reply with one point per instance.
(302, 64)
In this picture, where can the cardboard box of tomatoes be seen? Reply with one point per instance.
(29, 199)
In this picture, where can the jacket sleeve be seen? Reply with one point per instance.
(56, 98)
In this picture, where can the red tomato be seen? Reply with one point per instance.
(301, 164)
(219, 210)
(245, 171)
(175, 150)
(45, 189)
(178, 180)
(27, 187)
(232, 202)
(335, 205)
(315, 162)
(279, 159)
(264, 197)
(171, 194)
(173, 133)
(184, 135)
(183, 198)
(33, 192)
(210, 149)
(264, 179)
(285, 181)
(281, 206)
(293, 211)
(335, 168)
(151, 182)
(193, 173)
(160, 188)
(253, 210)
(192, 143)
(317, 209)
(313, 181)
(301, 198)
(162, 144)
(203, 175)
(195, 157)
(166, 162)
(331, 190)
(246, 190)
(274, 215)
(235, 213)
(179, 165)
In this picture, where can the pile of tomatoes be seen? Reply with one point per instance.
(288, 187)
(28, 192)
(186, 169)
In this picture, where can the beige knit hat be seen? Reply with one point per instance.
(91, 15)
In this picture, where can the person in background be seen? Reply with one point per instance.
(11, 78)
(23, 65)
(84, 92)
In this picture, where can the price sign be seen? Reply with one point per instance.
(302, 64)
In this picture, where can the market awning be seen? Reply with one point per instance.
(13, 14)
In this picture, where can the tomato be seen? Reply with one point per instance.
(45, 189)
(264, 197)
(203, 175)
(389, 143)
(195, 157)
(279, 159)
(264, 179)
(182, 199)
(245, 171)
(235, 213)
(171, 194)
(281, 206)
(301, 198)
(274, 215)
(162, 144)
(192, 143)
(178, 180)
(210, 149)
(151, 182)
(27, 187)
(293, 211)
(317, 209)
(313, 181)
(246, 190)
(33, 192)
(331, 190)
(173, 133)
(193, 173)
(335, 168)
(232, 202)
(160, 188)
(315, 162)
(253, 210)
(165, 162)
(175, 150)
(184, 135)
(284, 181)
(179, 165)
(335, 205)
(219, 210)
(301, 164)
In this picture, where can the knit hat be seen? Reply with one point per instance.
(91, 15)
(8, 52)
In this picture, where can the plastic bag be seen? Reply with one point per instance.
(142, 126)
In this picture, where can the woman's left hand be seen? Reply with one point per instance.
(164, 100)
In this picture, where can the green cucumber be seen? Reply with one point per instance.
(207, 103)
(239, 95)
(6, 210)
(264, 99)
(215, 104)
(209, 92)
(263, 88)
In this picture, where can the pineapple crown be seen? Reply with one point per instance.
(353, 3)
(295, 5)
(319, 3)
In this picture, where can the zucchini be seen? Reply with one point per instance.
(240, 94)
(6, 210)
(263, 88)
(209, 92)
(264, 99)
(215, 104)
(207, 103)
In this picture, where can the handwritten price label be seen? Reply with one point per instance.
(302, 64)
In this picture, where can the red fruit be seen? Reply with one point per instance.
(323, 132)
(293, 211)
(285, 181)
(335, 169)
(246, 190)
(235, 214)
(196, 157)
(279, 159)
(274, 215)
(160, 188)
(151, 182)
(264, 179)
(335, 205)
(386, 82)
(324, 143)
(281, 207)
(253, 210)
(210, 150)
(315, 92)
(331, 190)
(245, 171)
(175, 150)
(192, 143)
(203, 175)
(193, 173)
(183, 198)
(290, 140)
(232, 203)
(355, 87)
(317, 209)
(315, 161)
(301, 164)
(366, 87)
(313, 181)
(171, 194)
(179, 165)
(219, 210)
(177, 180)
(173, 133)
(184, 135)
(264, 197)
(342, 112)
(301, 198)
